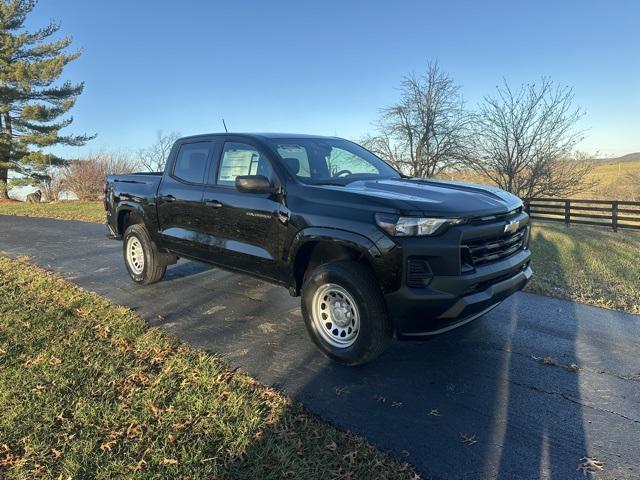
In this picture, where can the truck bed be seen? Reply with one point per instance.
(142, 186)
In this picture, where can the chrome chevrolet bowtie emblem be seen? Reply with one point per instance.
(512, 226)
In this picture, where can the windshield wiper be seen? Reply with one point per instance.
(343, 181)
(329, 182)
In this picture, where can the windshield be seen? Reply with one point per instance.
(330, 161)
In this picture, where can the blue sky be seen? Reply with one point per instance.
(327, 67)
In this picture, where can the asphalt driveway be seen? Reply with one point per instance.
(478, 402)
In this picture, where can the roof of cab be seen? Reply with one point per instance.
(260, 136)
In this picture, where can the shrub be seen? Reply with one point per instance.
(86, 177)
(52, 184)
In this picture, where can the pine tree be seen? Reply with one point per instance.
(33, 103)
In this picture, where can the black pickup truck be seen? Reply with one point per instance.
(372, 253)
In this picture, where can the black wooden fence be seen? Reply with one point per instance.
(603, 213)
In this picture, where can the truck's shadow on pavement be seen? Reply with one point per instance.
(479, 402)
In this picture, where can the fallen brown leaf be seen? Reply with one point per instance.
(590, 465)
(139, 466)
(571, 367)
(468, 439)
(155, 410)
(54, 361)
(341, 390)
(134, 431)
(350, 457)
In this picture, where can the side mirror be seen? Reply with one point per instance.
(254, 184)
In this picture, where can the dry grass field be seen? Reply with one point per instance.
(611, 181)
(615, 181)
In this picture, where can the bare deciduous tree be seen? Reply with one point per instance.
(52, 184)
(86, 177)
(524, 141)
(155, 156)
(427, 131)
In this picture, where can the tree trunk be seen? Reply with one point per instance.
(4, 178)
(4, 172)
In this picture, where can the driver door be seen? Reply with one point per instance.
(244, 228)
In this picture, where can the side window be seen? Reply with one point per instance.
(191, 163)
(340, 160)
(242, 159)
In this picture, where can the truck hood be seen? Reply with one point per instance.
(411, 196)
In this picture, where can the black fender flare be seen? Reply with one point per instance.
(128, 206)
(164, 257)
(345, 238)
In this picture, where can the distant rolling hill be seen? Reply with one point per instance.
(629, 157)
(611, 179)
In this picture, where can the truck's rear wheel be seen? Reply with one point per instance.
(141, 256)
(344, 312)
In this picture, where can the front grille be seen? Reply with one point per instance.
(487, 250)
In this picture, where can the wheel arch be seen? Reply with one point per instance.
(317, 246)
(128, 213)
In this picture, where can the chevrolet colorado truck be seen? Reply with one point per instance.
(373, 254)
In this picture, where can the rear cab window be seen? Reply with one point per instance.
(192, 161)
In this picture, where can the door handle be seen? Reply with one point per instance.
(213, 203)
(168, 198)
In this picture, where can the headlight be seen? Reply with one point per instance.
(413, 226)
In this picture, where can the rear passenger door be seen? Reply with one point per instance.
(245, 229)
(180, 197)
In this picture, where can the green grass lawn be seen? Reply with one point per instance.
(65, 210)
(587, 264)
(87, 390)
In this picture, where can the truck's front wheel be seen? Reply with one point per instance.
(344, 312)
(141, 256)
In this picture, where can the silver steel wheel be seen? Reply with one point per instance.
(135, 255)
(335, 315)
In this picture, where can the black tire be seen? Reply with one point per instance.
(358, 281)
(152, 269)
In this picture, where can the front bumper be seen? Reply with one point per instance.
(452, 301)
